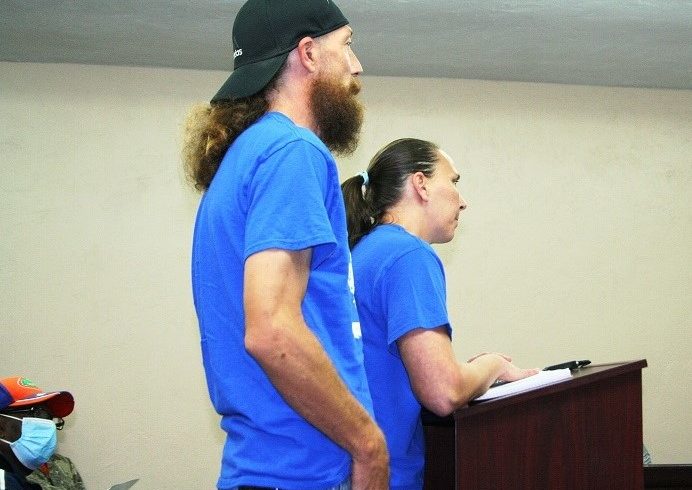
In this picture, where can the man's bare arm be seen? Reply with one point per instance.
(277, 337)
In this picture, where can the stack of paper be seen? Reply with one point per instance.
(531, 383)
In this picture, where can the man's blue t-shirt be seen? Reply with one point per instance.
(276, 187)
(400, 286)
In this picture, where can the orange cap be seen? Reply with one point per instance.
(25, 393)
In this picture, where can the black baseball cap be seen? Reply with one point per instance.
(265, 31)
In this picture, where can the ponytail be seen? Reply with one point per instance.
(358, 213)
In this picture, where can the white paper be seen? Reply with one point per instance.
(543, 378)
(124, 485)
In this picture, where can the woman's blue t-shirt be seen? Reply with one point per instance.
(400, 286)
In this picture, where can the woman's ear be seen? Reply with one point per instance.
(419, 182)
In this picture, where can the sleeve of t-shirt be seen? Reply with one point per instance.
(414, 295)
(286, 201)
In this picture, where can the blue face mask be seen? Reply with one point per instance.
(37, 443)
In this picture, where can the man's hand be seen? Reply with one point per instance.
(370, 468)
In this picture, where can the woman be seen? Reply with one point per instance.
(406, 201)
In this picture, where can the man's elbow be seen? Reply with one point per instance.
(260, 340)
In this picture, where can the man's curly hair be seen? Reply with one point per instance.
(210, 129)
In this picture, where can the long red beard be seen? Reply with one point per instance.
(338, 113)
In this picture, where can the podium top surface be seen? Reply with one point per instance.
(592, 373)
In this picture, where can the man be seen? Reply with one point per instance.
(280, 338)
(28, 438)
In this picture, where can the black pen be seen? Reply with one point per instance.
(571, 365)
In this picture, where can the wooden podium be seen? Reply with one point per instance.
(582, 433)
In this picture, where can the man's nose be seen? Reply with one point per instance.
(356, 67)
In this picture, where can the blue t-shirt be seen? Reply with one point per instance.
(400, 286)
(276, 187)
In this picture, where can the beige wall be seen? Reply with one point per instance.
(576, 244)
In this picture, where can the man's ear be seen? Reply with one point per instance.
(307, 51)
(419, 182)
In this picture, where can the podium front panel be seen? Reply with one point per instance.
(584, 433)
